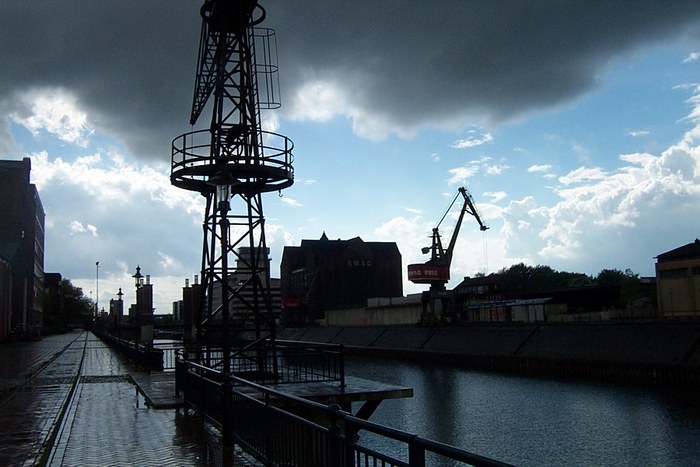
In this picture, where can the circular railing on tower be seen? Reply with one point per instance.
(194, 163)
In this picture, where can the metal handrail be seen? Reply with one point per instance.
(359, 424)
(282, 363)
(343, 446)
(148, 357)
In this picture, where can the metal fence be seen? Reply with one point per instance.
(280, 429)
(283, 362)
(170, 350)
(144, 356)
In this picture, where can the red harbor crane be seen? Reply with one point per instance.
(436, 271)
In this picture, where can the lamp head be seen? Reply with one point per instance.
(137, 277)
(222, 182)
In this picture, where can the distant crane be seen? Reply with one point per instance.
(436, 271)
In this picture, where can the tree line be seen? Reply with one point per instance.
(523, 278)
(66, 310)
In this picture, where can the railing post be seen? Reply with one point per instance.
(226, 416)
(351, 438)
(178, 374)
(336, 444)
(416, 453)
(341, 362)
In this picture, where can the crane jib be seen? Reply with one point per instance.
(437, 269)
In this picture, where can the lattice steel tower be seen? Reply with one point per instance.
(233, 162)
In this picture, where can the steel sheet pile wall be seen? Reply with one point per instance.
(663, 353)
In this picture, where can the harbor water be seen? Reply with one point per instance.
(535, 422)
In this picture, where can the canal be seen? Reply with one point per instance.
(533, 422)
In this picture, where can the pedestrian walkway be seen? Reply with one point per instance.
(75, 403)
(36, 378)
(20, 360)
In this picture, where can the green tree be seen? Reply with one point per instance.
(518, 277)
(67, 309)
(631, 288)
(523, 278)
(610, 277)
(630, 284)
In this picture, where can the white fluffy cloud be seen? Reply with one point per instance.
(460, 175)
(55, 111)
(649, 202)
(77, 228)
(582, 174)
(291, 202)
(496, 196)
(472, 140)
(101, 207)
(540, 168)
(319, 101)
(692, 57)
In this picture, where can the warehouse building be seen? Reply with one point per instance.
(678, 282)
(321, 275)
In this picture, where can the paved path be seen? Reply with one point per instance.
(36, 378)
(20, 360)
(70, 400)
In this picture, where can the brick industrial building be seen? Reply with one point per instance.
(325, 274)
(21, 251)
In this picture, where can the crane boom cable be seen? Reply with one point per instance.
(447, 211)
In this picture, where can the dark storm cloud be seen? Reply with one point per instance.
(434, 60)
(132, 63)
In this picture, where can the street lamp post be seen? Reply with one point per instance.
(137, 277)
(137, 317)
(222, 182)
(97, 289)
(120, 312)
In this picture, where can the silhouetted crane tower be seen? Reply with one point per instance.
(233, 162)
(436, 271)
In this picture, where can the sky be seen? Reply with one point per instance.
(574, 125)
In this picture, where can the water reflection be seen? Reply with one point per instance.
(537, 421)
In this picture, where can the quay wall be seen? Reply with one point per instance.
(649, 352)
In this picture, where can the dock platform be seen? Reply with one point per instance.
(371, 393)
(158, 389)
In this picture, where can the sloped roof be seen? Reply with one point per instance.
(689, 251)
(355, 243)
(294, 256)
(491, 279)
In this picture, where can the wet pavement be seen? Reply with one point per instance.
(71, 400)
(36, 378)
(17, 362)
